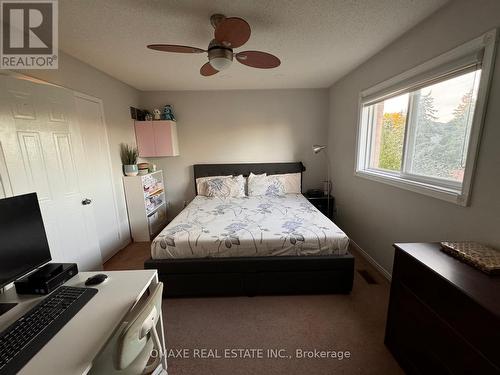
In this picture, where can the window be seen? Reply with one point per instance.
(420, 130)
(432, 141)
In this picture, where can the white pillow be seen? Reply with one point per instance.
(253, 180)
(201, 186)
(254, 177)
(226, 187)
(291, 182)
(265, 185)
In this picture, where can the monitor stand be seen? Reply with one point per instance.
(4, 307)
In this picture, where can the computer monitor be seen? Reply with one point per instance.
(23, 242)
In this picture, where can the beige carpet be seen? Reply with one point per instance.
(353, 323)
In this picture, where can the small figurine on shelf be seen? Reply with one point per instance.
(148, 116)
(156, 114)
(168, 114)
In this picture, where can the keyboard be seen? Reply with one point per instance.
(25, 337)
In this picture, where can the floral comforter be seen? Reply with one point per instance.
(249, 226)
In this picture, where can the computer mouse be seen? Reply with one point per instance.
(96, 279)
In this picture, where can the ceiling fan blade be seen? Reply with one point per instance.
(232, 32)
(175, 48)
(258, 59)
(208, 70)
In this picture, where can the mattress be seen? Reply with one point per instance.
(249, 226)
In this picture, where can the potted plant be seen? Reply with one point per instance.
(129, 156)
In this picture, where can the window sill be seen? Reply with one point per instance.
(442, 193)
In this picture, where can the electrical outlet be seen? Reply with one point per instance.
(185, 204)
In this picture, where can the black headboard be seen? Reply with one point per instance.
(207, 170)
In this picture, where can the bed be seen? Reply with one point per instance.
(251, 245)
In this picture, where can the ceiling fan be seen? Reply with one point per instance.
(230, 32)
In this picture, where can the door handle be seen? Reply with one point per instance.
(86, 201)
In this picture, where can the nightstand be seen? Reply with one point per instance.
(321, 203)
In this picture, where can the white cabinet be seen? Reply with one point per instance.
(146, 205)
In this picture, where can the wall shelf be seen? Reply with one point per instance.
(153, 193)
(151, 212)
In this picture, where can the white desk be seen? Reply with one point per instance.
(73, 348)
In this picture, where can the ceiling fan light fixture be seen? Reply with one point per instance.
(220, 63)
(220, 58)
(229, 33)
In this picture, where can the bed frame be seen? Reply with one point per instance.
(253, 275)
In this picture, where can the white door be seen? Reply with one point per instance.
(95, 145)
(43, 153)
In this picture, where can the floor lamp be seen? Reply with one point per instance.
(317, 149)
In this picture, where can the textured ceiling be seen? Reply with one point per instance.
(318, 41)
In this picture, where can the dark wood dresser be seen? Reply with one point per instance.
(444, 315)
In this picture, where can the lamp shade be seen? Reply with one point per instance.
(318, 148)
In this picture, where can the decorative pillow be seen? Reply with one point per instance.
(265, 185)
(254, 176)
(254, 180)
(201, 186)
(226, 187)
(241, 183)
(291, 182)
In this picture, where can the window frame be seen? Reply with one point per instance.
(445, 66)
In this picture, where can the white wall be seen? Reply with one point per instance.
(242, 126)
(375, 215)
(117, 98)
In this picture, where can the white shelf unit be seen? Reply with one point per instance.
(146, 205)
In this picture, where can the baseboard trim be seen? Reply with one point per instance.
(123, 245)
(372, 261)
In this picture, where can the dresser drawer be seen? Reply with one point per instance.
(470, 320)
(424, 344)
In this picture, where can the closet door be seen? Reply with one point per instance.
(43, 153)
(98, 162)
